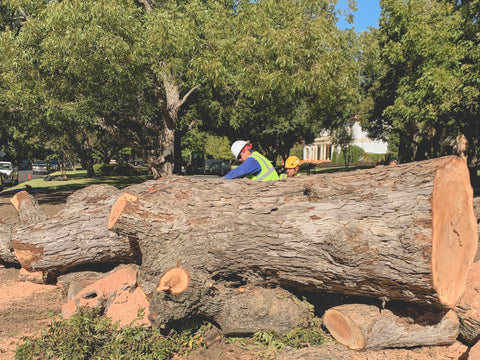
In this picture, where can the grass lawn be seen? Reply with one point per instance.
(76, 180)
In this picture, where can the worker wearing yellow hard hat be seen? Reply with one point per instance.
(292, 166)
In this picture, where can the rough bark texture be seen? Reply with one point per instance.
(361, 327)
(468, 308)
(7, 255)
(241, 311)
(76, 236)
(29, 211)
(396, 233)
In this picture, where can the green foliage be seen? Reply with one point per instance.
(354, 154)
(419, 69)
(343, 138)
(291, 71)
(87, 335)
(272, 342)
(297, 338)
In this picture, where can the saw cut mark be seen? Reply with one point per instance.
(118, 207)
(174, 281)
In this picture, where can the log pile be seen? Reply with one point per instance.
(400, 237)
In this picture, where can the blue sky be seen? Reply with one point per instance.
(367, 14)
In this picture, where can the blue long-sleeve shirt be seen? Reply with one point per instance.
(249, 167)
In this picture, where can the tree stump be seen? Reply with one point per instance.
(403, 233)
(361, 326)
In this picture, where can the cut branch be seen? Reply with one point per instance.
(361, 327)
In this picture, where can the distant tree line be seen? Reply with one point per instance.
(88, 78)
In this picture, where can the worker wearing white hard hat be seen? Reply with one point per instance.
(254, 165)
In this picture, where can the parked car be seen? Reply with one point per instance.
(41, 167)
(10, 173)
(24, 165)
(54, 165)
(216, 167)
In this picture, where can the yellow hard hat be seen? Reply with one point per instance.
(292, 162)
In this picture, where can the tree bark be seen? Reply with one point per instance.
(361, 327)
(396, 233)
(29, 211)
(241, 311)
(468, 308)
(323, 352)
(75, 237)
(7, 255)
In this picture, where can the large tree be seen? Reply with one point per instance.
(72, 66)
(424, 95)
(292, 72)
(272, 71)
(114, 65)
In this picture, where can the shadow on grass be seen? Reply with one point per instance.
(75, 181)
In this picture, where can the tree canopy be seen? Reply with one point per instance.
(421, 96)
(145, 74)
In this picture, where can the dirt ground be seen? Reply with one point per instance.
(26, 308)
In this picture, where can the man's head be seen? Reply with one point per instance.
(292, 165)
(241, 149)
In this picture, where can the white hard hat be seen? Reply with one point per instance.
(237, 147)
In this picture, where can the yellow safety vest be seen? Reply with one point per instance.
(267, 173)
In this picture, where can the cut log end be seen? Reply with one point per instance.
(175, 281)
(118, 207)
(344, 330)
(17, 199)
(454, 233)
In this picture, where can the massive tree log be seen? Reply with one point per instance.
(75, 237)
(361, 327)
(396, 233)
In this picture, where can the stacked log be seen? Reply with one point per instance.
(404, 234)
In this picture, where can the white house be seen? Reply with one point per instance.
(322, 149)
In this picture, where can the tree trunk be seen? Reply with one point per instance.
(75, 237)
(242, 311)
(361, 327)
(29, 212)
(396, 233)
